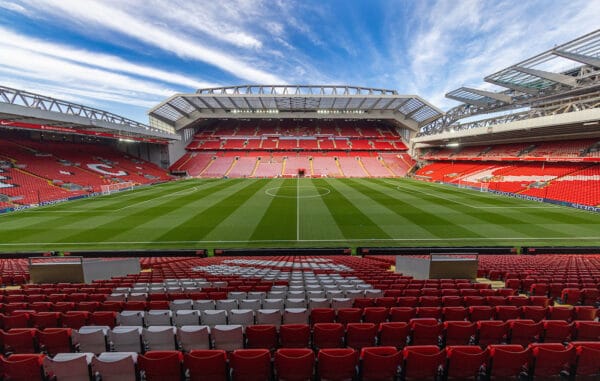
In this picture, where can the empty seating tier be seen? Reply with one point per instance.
(284, 148)
(232, 317)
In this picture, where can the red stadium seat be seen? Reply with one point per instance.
(261, 336)
(206, 365)
(359, 335)
(294, 335)
(423, 362)
(375, 315)
(588, 359)
(507, 361)
(491, 332)
(465, 362)
(322, 315)
(349, 315)
(380, 363)
(587, 330)
(160, 365)
(557, 331)
(294, 364)
(337, 364)
(19, 340)
(425, 332)
(23, 367)
(250, 365)
(550, 360)
(74, 319)
(393, 334)
(459, 332)
(55, 340)
(328, 335)
(524, 331)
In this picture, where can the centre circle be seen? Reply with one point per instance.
(296, 191)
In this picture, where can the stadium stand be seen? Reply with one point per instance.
(560, 171)
(44, 325)
(36, 171)
(362, 149)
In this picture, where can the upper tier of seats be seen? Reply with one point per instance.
(287, 135)
(567, 150)
(40, 171)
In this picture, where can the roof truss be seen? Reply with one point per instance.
(292, 101)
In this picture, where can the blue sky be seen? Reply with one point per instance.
(126, 56)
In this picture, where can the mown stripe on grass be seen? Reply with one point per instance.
(416, 213)
(352, 222)
(107, 226)
(561, 215)
(279, 219)
(36, 220)
(316, 222)
(491, 217)
(242, 223)
(198, 225)
(394, 224)
(484, 198)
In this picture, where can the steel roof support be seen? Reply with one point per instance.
(566, 80)
(490, 94)
(473, 102)
(179, 110)
(513, 86)
(588, 60)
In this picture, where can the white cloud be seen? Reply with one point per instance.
(13, 7)
(223, 21)
(100, 14)
(460, 43)
(77, 79)
(108, 62)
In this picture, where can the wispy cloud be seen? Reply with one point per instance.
(459, 45)
(101, 14)
(137, 52)
(112, 63)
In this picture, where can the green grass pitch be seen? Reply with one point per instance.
(208, 213)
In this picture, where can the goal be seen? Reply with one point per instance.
(117, 187)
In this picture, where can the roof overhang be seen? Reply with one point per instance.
(315, 102)
(21, 109)
(573, 125)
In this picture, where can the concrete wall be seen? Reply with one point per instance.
(176, 149)
(418, 268)
(99, 269)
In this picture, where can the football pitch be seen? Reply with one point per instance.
(224, 213)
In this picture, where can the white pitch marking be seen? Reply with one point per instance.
(479, 207)
(309, 240)
(184, 191)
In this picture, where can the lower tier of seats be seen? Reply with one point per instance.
(571, 182)
(282, 164)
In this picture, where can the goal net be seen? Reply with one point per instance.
(117, 187)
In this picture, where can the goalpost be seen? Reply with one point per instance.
(117, 187)
(483, 187)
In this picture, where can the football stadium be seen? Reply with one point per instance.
(307, 231)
